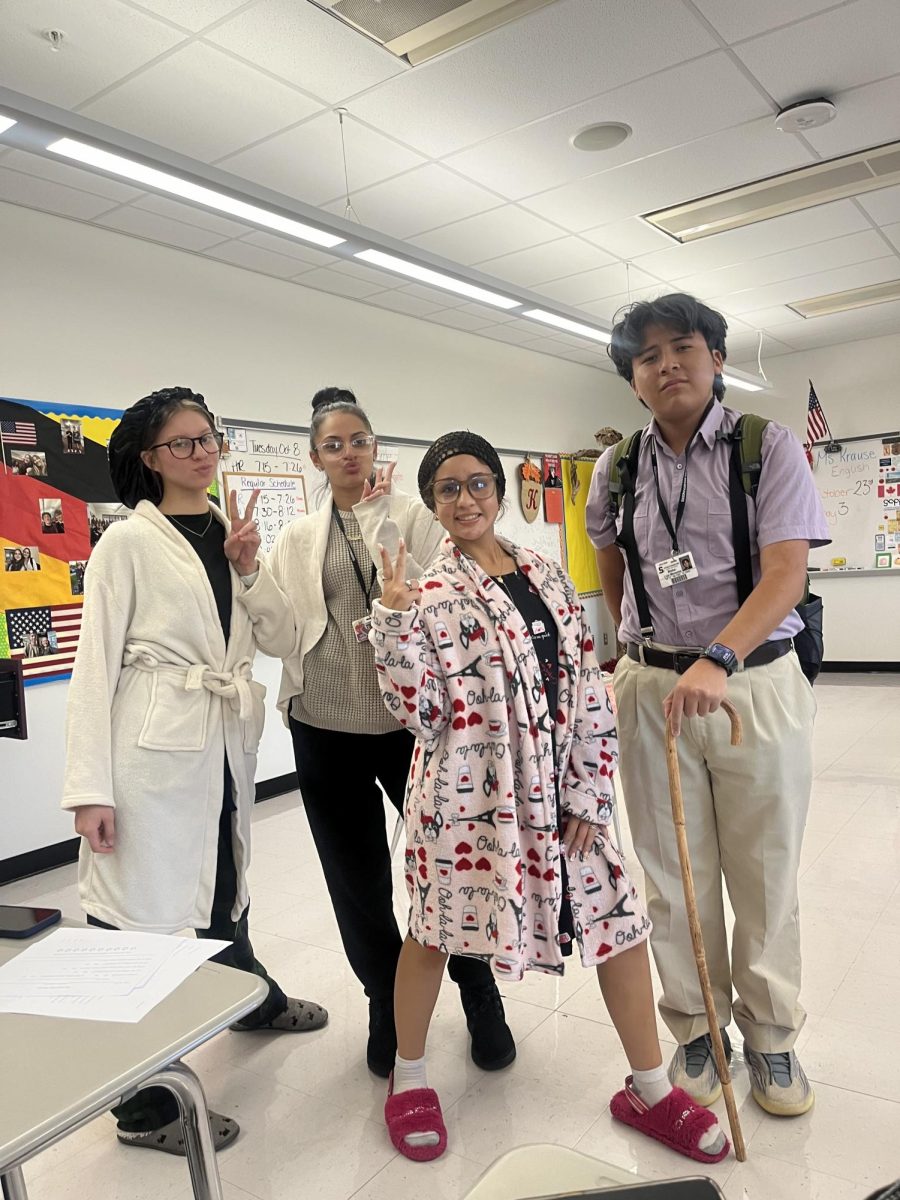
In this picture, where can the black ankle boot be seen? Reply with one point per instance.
(493, 1046)
(382, 1046)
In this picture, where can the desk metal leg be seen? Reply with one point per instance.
(13, 1185)
(198, 1141)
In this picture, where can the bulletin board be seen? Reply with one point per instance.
(56, 500)
(860, 489)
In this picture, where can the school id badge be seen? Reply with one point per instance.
(677, 569)
(361, 629)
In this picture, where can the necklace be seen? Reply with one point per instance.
(193, 532)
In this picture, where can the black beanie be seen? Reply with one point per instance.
(449, 446)
(131, 480)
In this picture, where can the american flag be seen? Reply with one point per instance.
(60, 624)
(19, 433)
(816, 425)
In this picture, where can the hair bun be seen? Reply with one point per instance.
(332, 395)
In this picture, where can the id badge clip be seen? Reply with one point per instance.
(677, 569)
(361, 629)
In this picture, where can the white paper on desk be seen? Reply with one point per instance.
(182, 957)
(86, 961)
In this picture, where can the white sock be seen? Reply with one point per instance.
(410, 1073)
(653, 1086)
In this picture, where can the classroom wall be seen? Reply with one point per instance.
(97, 317)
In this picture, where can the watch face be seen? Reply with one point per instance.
(722, 654)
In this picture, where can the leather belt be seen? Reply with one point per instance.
(680, 660)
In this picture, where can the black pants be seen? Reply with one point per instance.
(154, 1106)
(338, 773)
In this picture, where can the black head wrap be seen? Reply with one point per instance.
(448, 446)
(136, 431)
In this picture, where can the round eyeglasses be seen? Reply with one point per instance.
(334, 447)
(479, 487)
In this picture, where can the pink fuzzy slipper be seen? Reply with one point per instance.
(415, 1111)
(677, 1121)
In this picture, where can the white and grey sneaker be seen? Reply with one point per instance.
(693, 1069)
(779, 1083)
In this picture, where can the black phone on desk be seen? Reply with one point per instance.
(22, 921)
(695, 1188)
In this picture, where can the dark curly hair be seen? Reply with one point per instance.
(677, 311)
(137, 431)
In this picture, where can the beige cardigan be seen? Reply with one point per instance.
(290, 595)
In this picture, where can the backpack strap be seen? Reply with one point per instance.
(749, 431)
(740, 486)
(625, 462)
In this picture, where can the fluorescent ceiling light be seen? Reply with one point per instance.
(837, 302)
(744, 385)
(115, 164)
(402, 266)
(6, 123)
(792, 191)
(586, 331)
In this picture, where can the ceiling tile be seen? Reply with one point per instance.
(105, 40)
(308, 47)
(341, 284)
(49, 196)
(399, 302)
(488, 312)
(421, 199)
(435, 295)
(778, 314)
(867, 116)
(789, 291)
(608, 307)
(789, 264)
(292, 248)
(459, 320)
(756, 241)
(383, 280)
(550, 59)
(202, 103)
(882, 206)
(551, 260)
(665, 110)
(892, 232)
(827, 53)
(306, 162)
(628, 238)
(594, 285)
(191, 214)
(516, 335)
(191, 14)
(736, 19)
(254, 258)
(877, 320)
(713, 163)
(499, 231)
(70, 176)
(150, 225)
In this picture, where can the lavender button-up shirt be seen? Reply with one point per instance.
(787, 508)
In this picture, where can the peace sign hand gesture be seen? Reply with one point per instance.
(382, 485)
(397, 592)
(242, 544)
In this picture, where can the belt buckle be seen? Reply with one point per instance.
(683, 660)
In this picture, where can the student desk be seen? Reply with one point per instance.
(546, 1170)
(59, 1074)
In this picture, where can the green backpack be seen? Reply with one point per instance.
(746, 467)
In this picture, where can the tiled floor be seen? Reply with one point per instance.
(311, 1113)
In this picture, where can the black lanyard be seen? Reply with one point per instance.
(682, 499)
(357, 569)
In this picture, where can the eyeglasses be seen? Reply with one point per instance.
(183, 447)
(334, 447)
(480, 487)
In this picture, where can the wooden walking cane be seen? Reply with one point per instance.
(690, 901)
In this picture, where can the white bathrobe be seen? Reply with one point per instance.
(155, 704)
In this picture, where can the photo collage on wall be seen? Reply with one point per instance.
(887, 538)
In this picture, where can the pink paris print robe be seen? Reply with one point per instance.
(483, 850)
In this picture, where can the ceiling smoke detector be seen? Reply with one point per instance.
(55, 37)
(805, 114)
(604, 136)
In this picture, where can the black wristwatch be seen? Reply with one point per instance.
(722, 655)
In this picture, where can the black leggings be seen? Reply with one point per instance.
(155, 1106)
(339, 775)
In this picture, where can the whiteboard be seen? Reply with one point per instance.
(860, 490)
(265, 453)
(282, 497)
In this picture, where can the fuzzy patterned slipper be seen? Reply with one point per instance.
(415, 1111)
(300, 1016)
(169, 1139)
(677, 1121)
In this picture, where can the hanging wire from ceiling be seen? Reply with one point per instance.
(759, 334)
(350, 213)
